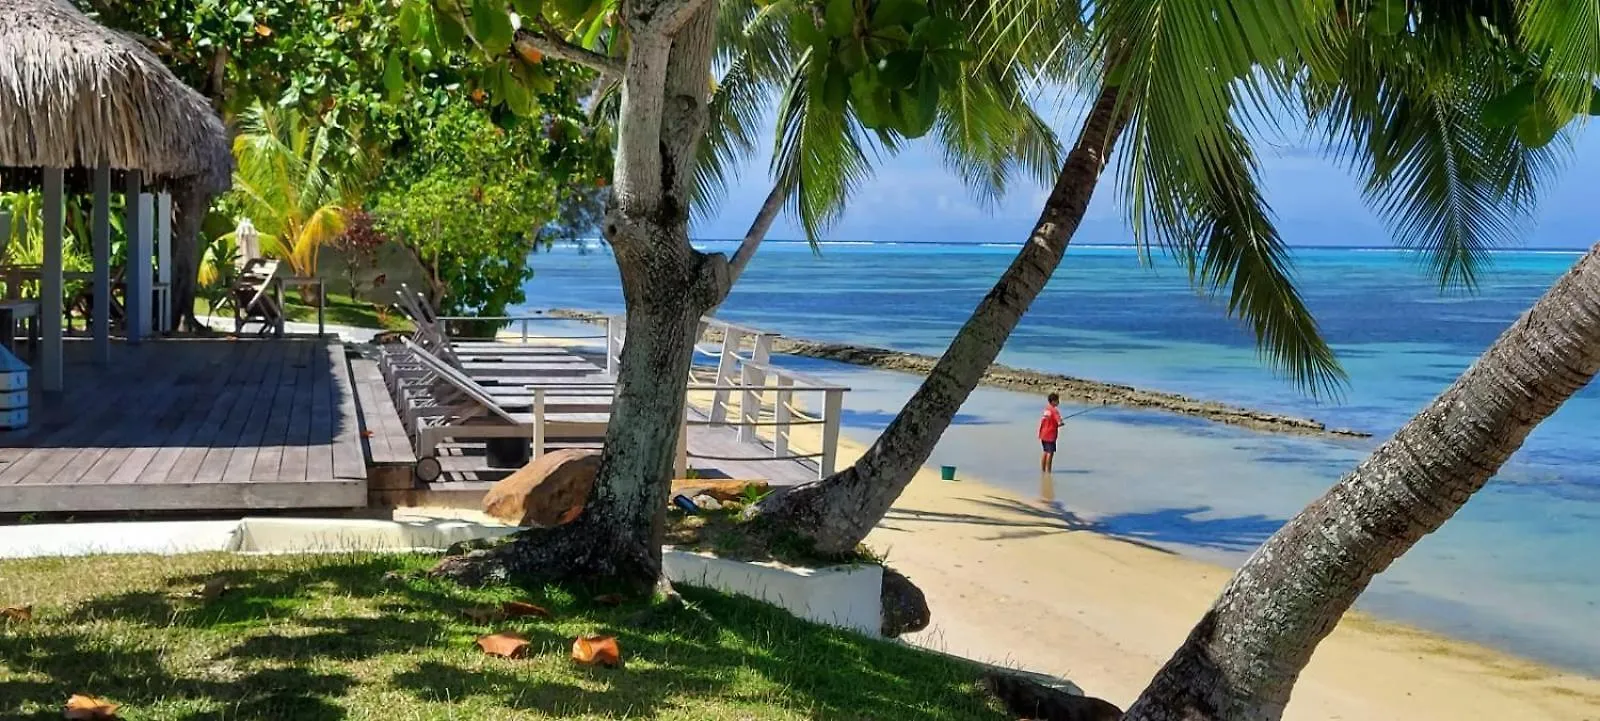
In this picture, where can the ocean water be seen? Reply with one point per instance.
(1515, 569)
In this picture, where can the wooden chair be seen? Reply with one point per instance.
(252, 299)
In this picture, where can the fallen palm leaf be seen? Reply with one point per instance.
(610, 599)
(517, 609)
(88, 708)
(504, 644)
(597, 651)
(17, 613)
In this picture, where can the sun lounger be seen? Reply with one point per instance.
(456, 407)
(252, 299)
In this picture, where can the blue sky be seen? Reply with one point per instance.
(913, 198)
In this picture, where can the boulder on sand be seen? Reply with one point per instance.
(547, 492)
(905, 609)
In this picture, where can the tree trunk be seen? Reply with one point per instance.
(667, 285)
(190, 204)
(757, 232)
(1241, 661)
(835, 514)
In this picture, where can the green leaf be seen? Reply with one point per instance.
(451, 32)
(1594, 102)
(394, 75)
(410, 21)
(898, 70)
(1388, 17)
(835, 88)
(852, 56)
(573, 9)
(1537, 129)
(518, 98)
(1505, 110)
(245, 17)
(936, 33)
(805, 30)
(840, 18)
(528, 9)
(491, 25)
(894, 13)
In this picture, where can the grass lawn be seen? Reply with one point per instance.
(329, 637)
(340, 310)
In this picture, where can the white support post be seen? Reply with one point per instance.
(749, 405)
(102, 263)
(137, 302)
(832, 409)
(725, 364)
(781, 415)
(538, 422)
(163, 321)
(51, 362)
(524, 331)
(614, 326)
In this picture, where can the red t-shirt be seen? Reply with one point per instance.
(1049, 424)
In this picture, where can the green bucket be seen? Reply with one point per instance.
(947, 473)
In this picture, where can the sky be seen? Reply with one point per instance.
(913, 198)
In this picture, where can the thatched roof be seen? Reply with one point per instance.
(73, 92)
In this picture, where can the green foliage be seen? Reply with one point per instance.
(468, 201)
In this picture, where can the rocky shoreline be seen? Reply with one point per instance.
(1073, 390)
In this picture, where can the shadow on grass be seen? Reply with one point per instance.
(316, 641)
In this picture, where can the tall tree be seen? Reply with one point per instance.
(1448, 182)
(888, 62)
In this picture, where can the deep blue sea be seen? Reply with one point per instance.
(1515, 569)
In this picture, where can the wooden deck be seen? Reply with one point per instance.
(192, 425)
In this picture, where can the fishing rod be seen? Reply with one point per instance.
(1092, 409)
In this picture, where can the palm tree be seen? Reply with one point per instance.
(1448, 182)
(290, 185)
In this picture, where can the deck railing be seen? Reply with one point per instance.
(748, 392)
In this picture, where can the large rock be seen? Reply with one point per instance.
(720, 490)
(1032, 696)
(547, 492)
(905, 608)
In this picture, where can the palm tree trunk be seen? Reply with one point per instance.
(757, 232)
(192, 204)
(1241, 661)
(835, 514)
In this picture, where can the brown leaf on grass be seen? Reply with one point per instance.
(480, 614)
(516, 609)
(609, 599)
(597, 651)
(88, 708)
(504, 644)
(213, 589)
(17, 613)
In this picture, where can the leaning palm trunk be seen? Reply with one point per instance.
(1241, 661)
(835, 514)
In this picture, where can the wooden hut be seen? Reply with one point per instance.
(86, 108)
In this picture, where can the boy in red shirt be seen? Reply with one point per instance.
(1049, 431)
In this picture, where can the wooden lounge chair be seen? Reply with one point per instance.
(456, 407)
(252, 298)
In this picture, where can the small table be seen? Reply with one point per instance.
(14, 311)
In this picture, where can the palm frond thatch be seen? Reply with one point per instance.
(73, 92)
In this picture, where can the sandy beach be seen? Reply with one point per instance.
(1014, 582)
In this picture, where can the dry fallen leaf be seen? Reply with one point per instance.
(213, 589)
(263, 30)
(570, 515)
(17, 613)
(366, 434)
(484, 615)
(610, 599)
(88, 708)
(516, 609)
(597, 651)
(504, 644)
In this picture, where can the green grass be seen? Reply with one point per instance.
(312, 638)
(339, 310)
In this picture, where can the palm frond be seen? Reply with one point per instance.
(755, 43)
(820, 157)
(1566, 34)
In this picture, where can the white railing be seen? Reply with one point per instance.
(748, 393)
